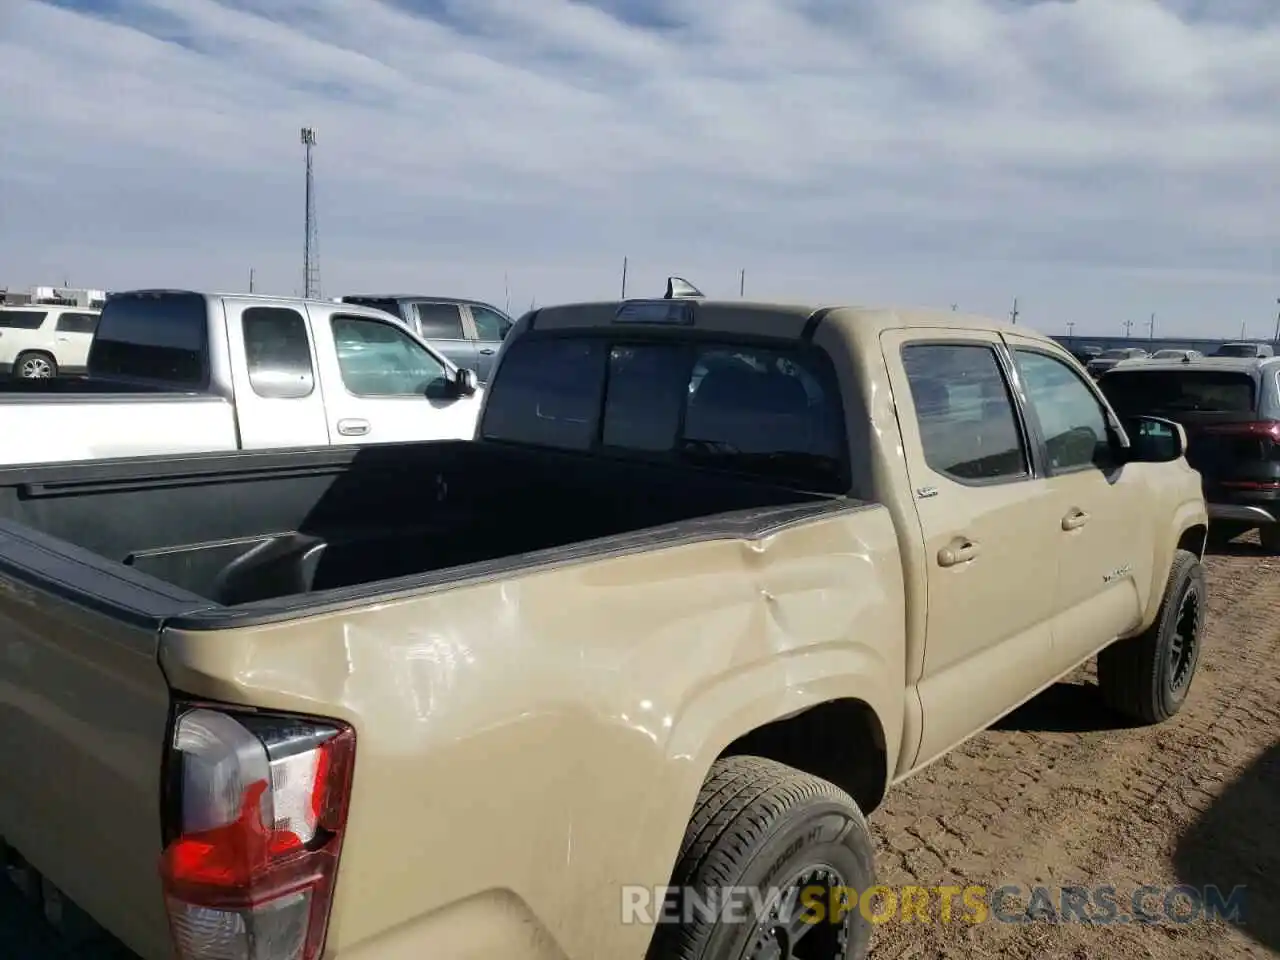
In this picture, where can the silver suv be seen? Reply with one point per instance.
(468, 332)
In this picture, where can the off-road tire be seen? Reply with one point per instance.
(1136, 674)
(21, 360)
(1269, 537)
(756, 824)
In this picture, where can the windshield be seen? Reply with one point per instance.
(1136, 392)
(1236, 350)
(770, 412)
(1114, 354)
(1169, 354)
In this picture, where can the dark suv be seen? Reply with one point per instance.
(1230, 409)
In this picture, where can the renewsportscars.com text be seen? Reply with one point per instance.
(1093, 905)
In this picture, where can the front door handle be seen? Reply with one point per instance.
(958, 551)
(1074, 520)
(353, 428)
(487, 352)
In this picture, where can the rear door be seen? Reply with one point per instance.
(383, 386)
(441, 324)
(279, 402)
(491, 328)
(1103, 548)
(989, 524)
(19, 332)
(73, 334)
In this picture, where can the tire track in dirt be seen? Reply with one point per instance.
(1048, 798)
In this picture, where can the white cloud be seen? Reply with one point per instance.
(1100, 159)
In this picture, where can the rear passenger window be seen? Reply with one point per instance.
(77, 323)
(278, 353)
(22, 319)
(1072, 420)
(968, 427)
(439, 321)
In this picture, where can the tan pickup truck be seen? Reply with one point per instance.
(713, 576)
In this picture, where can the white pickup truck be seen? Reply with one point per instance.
(176, 372)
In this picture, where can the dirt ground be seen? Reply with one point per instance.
(1062, 793)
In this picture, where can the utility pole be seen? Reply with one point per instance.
(310, 251)
(1276, 338)
(1013, 314)
(1128, 329)
(954, 307)
(742, 282)
(624, 278)
(251, 279)
(506, 290)
(1071, 328)
(1242, 323)
(1151, 327)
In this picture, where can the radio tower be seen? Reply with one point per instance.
(310, 248)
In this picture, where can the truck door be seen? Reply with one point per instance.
(1104, 551)
(278, 398)
(383, 386)
(989, 525)
(491, 328)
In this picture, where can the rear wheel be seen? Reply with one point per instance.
(1148, 677)
(1269, 536)
(772, 867)
(35, 366)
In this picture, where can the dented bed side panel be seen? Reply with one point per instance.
(541, 737)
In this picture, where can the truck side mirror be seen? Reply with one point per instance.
(1154, 440)
(464, 382)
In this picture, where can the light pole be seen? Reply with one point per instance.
(1071, 328)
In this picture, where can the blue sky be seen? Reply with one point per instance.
(1099, 159)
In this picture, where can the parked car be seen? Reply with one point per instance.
(175, 372)
(1109, 358)
(655, 633)
(1254, 351)
(1177, 354)
(1230, 409)
(468, 332)
(1086, 353)
(39, 342)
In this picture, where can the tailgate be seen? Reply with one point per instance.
(83, 715)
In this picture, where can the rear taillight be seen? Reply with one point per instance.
(256, 808)
(1256, 440)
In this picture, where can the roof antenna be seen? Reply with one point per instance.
(679, 288)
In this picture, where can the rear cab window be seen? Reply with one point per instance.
(153, 338)
(772, 412)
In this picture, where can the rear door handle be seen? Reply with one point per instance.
(1074, 520)
(958, 551)
(353, 428)
(487, 351)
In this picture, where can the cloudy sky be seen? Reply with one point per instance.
(1099, 159)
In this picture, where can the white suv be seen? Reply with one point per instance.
(40, 341)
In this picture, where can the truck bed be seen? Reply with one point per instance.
(276, 528)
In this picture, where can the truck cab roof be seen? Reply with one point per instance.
(760, 318)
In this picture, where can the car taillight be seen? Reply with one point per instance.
(256, 807)
(1259, 439)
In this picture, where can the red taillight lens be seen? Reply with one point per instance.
(258, 807)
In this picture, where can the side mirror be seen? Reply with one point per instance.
(464, 382)
(1154, 440)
